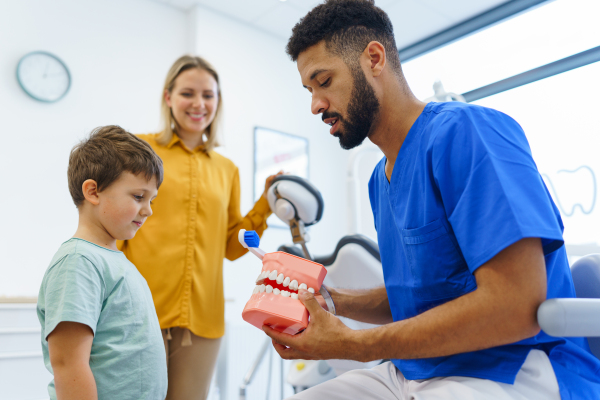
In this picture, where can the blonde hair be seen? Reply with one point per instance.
(169, 124)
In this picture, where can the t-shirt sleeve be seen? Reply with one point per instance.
(491, 189)
(74, 292)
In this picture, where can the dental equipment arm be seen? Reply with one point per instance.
(577, 317)
(570, 317)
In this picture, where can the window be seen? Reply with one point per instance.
(545, 34)
(558, 113)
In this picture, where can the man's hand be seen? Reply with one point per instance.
(325, 338)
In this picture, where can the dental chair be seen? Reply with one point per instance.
(355, 263)
(579, 317)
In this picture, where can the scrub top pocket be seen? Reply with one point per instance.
(438, 268)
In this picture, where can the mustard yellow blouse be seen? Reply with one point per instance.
(195, 224)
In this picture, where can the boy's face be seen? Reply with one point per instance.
(124, 206)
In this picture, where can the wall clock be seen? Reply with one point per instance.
(43, 76)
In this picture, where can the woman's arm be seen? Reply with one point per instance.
(255, 220)
(70, 345)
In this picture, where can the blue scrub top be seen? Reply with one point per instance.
(463, 188)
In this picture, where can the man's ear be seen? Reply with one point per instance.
(90, 191)
(376, 56)
(167, 98)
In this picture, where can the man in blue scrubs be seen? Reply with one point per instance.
(470, 239)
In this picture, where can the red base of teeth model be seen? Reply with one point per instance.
(274, 301)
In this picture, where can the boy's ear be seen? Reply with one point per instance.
(90, 191)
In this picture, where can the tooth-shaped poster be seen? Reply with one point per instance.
(280, 308)
(573, 189)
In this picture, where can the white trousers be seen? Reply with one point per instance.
(536, 380)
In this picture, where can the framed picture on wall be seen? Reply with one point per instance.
(276, 151)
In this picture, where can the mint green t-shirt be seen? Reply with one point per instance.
(100, 288)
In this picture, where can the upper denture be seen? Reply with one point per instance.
(274, 301)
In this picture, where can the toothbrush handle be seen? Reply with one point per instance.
(257, 252)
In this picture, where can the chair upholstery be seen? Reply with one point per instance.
(586, 278)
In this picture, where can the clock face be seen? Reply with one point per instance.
(43, 76)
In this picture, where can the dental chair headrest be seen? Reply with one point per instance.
(293, 197)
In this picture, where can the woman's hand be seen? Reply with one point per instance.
(269, 182)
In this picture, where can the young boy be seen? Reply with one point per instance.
(100, 334)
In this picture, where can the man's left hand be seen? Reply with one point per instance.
(325, 338)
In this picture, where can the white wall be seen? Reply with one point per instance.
(118, 52)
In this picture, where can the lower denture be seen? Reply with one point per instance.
(271, 306)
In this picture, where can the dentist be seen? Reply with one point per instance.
(470, 240)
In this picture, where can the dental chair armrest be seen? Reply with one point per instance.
(570, 317)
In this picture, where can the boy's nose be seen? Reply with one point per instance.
(146, 211)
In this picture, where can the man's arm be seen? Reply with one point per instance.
(70, 345)
(502, 310)
(371, 305)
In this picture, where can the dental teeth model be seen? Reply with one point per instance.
(274, 301)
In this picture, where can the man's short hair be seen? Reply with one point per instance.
(347, 27)
(105, 155)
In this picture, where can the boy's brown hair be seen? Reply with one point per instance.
(105, 155)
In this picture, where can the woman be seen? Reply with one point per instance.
(195, 225)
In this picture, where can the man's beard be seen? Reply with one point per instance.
(362, 111)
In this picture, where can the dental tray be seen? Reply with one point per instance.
(274, 301)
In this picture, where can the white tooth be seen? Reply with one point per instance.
(285, 293)
(263, 274)
(261, 288)
(269, 289)
(255, 290)
(294, 285)
(286, 281)
(273, 275)
(279, 278)
(259, 278)
(276, 291)
(303, 286)
(311, 290)
(295, 296)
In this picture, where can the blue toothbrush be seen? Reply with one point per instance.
(251, 241)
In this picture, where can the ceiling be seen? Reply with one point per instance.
(413, 20)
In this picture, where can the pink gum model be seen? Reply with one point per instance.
(273, 307)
